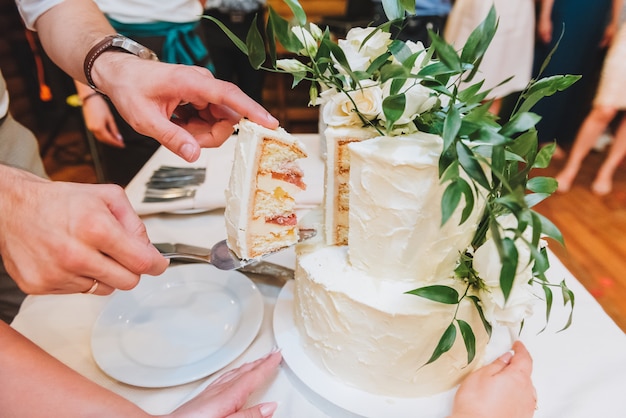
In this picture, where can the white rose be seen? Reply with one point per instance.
(374, 47)
(357, 60)
(306, 39)
(488, 265)
(416, 47)
(419, 99)
(339, 109)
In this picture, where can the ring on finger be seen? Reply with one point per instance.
(93, 288)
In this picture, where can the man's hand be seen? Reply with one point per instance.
(59, 237)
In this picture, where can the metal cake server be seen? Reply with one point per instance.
(223, 258)
(219, 255)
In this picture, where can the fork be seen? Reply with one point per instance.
(160, 195)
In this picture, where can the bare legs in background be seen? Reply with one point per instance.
(593, 126)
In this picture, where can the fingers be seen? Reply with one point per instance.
(127, 241)
(521, 361)
(226, 94)
(264, 366)
(264, 410)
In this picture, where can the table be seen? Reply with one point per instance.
(578, 373)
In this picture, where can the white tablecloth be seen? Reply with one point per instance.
(578, 373)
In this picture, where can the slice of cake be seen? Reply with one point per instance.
(260, 204)
(337, 193)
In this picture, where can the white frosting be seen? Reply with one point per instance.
(248, 234)
(395, 210)
(367, 332)
(350, 301)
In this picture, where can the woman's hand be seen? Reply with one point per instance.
(226, 396)
(500, 389)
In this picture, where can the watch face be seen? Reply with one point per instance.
(133, 47)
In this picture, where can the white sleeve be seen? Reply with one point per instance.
(30, 10)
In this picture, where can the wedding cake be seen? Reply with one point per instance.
(429, 234)
(350, 304)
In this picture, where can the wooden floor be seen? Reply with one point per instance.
(594, 227)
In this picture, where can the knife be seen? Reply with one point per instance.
(264, 271)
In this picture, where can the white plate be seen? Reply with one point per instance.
(332, 389)
(178, 327)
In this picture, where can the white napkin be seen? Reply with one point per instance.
(218, 163)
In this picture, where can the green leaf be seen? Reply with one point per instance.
(481, 313)
(534, 199)
(542, 184)
(297, 11)
(393, 9)
(452, 197)
(438, 293)
(450, 200)
(282, 32)
(568, 297)
(509, 257)
(544, 156)
(234, 38)
(478, 42)
(470, 165)
(468, 338)
(549, 298)
(451, 126)
(521, 122)
(549, 229)
(445, 52)
(393, 107)
(256, 46)
(445, 343)
(545, 87)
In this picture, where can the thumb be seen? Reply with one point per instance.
(262, 410)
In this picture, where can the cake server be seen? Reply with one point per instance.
(220, 255)
(264, 271)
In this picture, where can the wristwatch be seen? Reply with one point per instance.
(114, 43)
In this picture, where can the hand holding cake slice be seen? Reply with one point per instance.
(260, 204)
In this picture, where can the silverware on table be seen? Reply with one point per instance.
(162, 195)
(172, 183)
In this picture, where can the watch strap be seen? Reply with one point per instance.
(105, 44)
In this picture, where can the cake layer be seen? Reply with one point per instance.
(260, 201)
(369, 333)
(336, 196)
(395, 211)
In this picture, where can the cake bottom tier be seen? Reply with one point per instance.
(370, 334)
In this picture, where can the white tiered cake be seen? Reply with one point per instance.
(350, 303)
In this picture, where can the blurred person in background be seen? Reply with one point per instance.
(230, 63)
(610, 99)
(172, 30)
(587, 28)
(510, 53)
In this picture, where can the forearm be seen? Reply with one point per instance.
(69, 30)
(545, 10)
(616, 12)
(37, 385)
